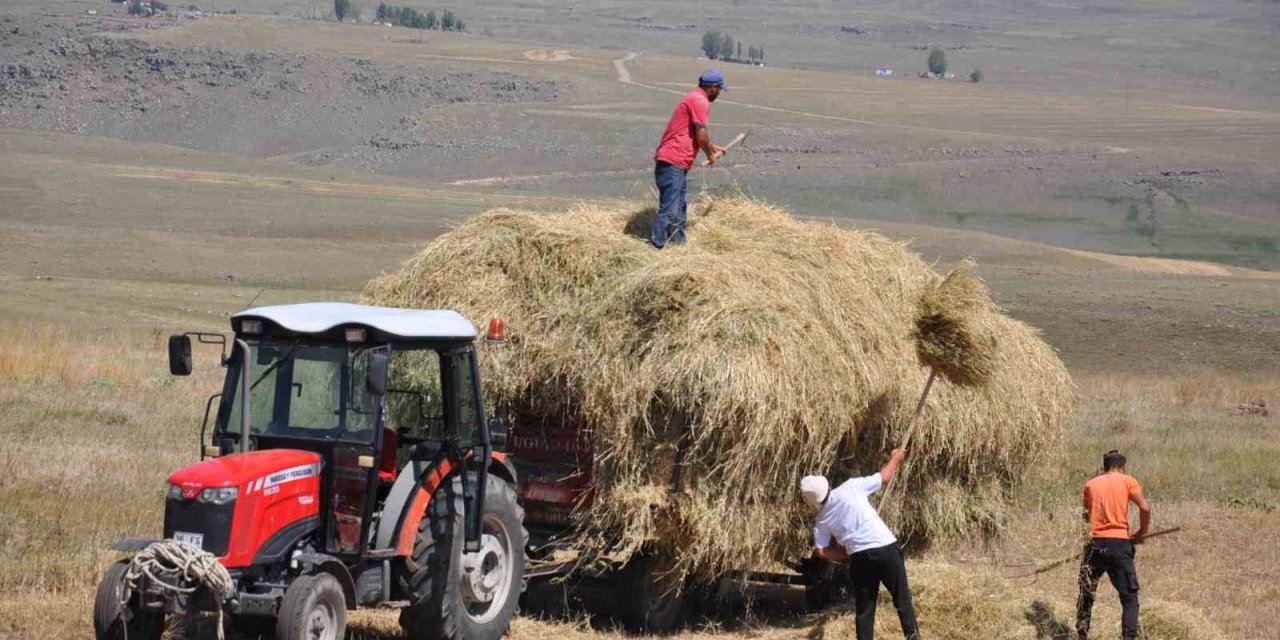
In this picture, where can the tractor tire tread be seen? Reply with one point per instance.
(429, 616)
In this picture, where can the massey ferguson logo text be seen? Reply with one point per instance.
(281, 477)
(289, 475)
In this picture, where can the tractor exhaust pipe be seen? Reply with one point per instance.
(244, 394)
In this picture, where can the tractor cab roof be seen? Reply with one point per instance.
(331, 320)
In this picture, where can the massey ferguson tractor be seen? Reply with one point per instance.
(350, 464)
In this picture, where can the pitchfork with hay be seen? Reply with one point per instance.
(951, 341)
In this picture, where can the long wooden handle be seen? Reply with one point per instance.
(911, 429)
(732, 143)
(1054, 565)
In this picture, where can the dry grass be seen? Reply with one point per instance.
(92, 424)
(955, 602)
(84, 463)
(715, 375)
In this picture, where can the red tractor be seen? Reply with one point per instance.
(350, 464)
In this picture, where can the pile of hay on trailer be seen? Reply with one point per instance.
(713, 376)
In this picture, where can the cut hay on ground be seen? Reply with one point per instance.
(713, 376)
(962, 602)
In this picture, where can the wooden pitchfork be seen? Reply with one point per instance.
(911, 429)
(1075, 556)
(732, 143)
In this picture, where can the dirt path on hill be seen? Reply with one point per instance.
(624, 77)
(351, 189)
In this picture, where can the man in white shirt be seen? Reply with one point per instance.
(848, 528)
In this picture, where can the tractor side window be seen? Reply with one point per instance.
(362, 412)
(469, 412)
(415, 402)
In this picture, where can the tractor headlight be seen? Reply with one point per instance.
(221, 495)
(175, 492)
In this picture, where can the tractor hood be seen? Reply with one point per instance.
(250, 472)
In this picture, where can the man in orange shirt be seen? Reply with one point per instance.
(685, 135)
(1111, 549)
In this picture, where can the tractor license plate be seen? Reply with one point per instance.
(194, 539)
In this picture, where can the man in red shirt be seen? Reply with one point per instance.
(686, 133)
(1110, 551)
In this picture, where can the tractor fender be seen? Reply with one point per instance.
(500, 465)
(413, 499)
(402, 500)
(324, 563)
(278, 546)
(417, 506)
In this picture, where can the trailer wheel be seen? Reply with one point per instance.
(465, 596)
(649, 594)
(114, 620)
(313, 608)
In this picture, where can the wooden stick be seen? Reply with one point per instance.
(732, 143)
(911, 429)
(1054, 565)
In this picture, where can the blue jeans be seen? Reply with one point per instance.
(673, 211)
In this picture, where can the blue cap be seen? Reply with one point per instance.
(713, 77)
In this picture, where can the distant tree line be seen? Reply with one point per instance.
(414, 19)
(721, 46)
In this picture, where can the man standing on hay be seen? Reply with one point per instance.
(686, 133)
(1110, 550)
(846, 517)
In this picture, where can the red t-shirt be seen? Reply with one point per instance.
(679, 144)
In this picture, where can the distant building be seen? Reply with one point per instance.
(884, 71)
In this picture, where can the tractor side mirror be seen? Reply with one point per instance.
(497, 434)
(379, 367)
(180, 355)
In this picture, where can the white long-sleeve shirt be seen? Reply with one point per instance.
(849, 518)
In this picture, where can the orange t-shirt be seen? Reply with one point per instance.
(1106, 497)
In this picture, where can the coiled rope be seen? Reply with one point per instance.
(181, 569)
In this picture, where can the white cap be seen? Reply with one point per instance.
(814, 489)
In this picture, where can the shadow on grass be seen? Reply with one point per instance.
(640, 224)
(1047, 625)
(592, 604)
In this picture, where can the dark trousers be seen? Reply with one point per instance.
(870, 569)
(673, 211)
(1114, 558)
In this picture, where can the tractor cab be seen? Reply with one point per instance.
(349, 448)
(330, 390)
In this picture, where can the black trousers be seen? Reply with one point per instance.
(870, 569)
(1114, 558)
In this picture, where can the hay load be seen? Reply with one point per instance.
(712, 376)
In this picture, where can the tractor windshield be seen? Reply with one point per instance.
(304, 390)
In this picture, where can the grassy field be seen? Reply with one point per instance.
(94, 424)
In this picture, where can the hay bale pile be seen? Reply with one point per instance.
(712, 376)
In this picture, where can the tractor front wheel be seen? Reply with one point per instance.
(115, 618)
(465, 596)
(313, 608)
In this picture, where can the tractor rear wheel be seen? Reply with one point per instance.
(313, 608)
(465, 596)
(114, 619)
